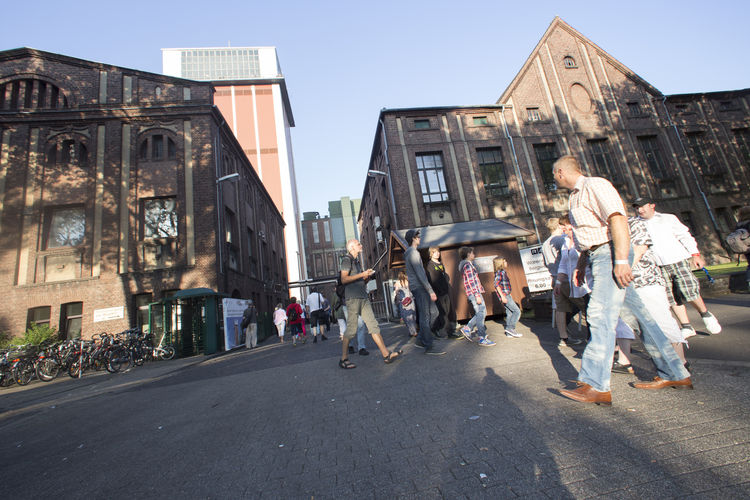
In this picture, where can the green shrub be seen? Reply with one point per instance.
(36, 334)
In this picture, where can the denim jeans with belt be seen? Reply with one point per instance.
(607, 299)
(480, 311)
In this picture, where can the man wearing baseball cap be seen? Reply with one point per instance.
(424, 296)
(677, 254)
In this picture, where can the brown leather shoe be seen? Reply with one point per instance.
(660, 383)
(587, 394)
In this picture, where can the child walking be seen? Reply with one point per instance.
(502, 289)
(474, 291)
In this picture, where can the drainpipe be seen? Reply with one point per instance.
(388, 171)
(518, 173)
(692, 170)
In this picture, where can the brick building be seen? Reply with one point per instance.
(445, 165)
(117, 188)
(251, 94)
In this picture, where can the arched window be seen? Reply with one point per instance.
(68, 151)
(157, 147)
(569, 62)
(31, 93)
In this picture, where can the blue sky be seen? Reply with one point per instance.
(345, 60)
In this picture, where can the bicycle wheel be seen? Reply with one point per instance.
(120, 360)
(23, 371)
(166, 352)
(47, 370)
(75, 368)
(6, 377)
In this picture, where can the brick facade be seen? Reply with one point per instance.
(108, 192)
(690, 152)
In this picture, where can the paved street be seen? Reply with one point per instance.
(286, 422)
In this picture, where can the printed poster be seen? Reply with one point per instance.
(234, 335)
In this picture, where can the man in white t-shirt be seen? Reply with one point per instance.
(315, 307)
(677, 255)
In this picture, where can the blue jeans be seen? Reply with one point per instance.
(512, 313)
(607, 299)
(424, 312)
(480, 311)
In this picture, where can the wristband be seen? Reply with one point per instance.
(621, 262)
(696, 255)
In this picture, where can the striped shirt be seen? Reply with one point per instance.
(471, 280)
(592, 201)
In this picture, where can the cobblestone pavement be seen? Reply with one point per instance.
(285, 422)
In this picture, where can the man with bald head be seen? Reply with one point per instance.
(358, 305)
(600, 232)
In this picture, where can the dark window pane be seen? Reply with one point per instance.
(157, 147)
(493, 171)
(546, 156)
(650, 146)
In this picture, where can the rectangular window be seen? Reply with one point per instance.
(605, 167)
(316, 232)
(727, 106)
(140, 306)
(157, 147)
(431, 180)
(697, 144)
(71, 319)
(159, 218)
(480, 120)
(327, 230)
(67, 227)
(742, 138)
(230, 236)
(38, 316)
(654, 160)
(533, 114)
(687, 219)
(493, 172)
(546, 155)
(634, 109)
(422, 123)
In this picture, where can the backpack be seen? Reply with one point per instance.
(293, 314)
(340, 287)
(739, 241)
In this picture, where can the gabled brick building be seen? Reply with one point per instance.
(455, 164)
(117, 188)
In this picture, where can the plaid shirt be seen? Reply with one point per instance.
(502, 281)
(471, 280)
(592, 201)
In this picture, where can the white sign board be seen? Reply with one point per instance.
(537, 275)
(484, 264)
(108, 314)
(234, 336)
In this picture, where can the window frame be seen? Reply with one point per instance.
(438, 168)
(498, 189)
(656, 155)
(50, 213)
(548, 176)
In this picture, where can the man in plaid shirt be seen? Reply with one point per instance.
(474, 291)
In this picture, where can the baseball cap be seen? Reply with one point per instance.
(639, 202)
(411, 234)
